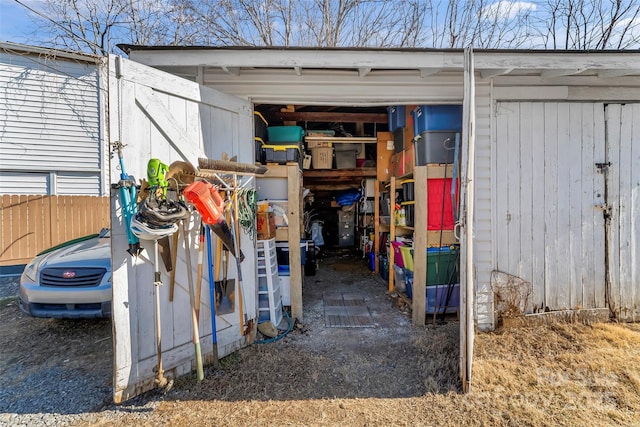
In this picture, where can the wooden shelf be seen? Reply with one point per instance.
(344, 140)
(339, 174)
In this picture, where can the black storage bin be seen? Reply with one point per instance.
(407, 189)
(260, 126)
(259, 152)
(282, 154)
(435, 147)
(409, 213)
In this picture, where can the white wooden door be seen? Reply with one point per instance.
(467, 243)
(622, 170)
(158, 115)
(548, 198)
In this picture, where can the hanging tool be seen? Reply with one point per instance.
(174, 258)
(234, 225)
(194, 317)
(156, 171)
(199, 272)
(160, 380)
(225, 302)
(206, 198)
(127, 188)
(212, 299)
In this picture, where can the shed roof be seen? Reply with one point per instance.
(489, 63)
(50, 53)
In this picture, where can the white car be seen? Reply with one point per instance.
(70, 282)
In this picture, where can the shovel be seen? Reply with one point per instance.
(225, 302)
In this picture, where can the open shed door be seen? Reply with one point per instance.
(159, 115)
(467, 267)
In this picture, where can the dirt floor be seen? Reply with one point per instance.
(388, 374)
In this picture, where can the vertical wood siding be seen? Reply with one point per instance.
(623, 152)
(31, 224)
(548, 230)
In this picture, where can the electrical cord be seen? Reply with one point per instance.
(247, 207)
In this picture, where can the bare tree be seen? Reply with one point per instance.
(97, 25)
(589, 24)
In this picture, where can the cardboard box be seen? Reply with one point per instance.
(266, 225)
(322, 158)
(397, 164)
(409, 158)
(434, 239)
(282, 234)
(384, 155)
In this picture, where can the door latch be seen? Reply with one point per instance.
(603, 167)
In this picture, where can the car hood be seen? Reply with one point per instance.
(95, 252)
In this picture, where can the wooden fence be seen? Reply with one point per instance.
(31, 224)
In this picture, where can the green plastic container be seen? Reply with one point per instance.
(441, 263)
(285, 134)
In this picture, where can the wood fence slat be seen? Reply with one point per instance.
(31, 224)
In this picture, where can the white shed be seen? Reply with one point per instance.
(53, 146)
(551, 180)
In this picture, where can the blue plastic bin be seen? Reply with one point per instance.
(397, 117)
(438, 293)
(436, 118)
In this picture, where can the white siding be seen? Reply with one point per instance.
(547, 230)
(482, 227)
(51, 115)
(24, 183)
(77, 184)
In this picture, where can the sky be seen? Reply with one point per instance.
(15, 24)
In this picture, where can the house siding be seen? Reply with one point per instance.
(50, 122)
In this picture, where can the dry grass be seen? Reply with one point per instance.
(558, 374)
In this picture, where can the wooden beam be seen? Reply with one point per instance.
(549, 74)
(426, 72)
(330, 187)
(234, 71)
(485, 74)
(289, 109)
(327, 176)
(294, 190)
(320, 116)
(363, 71)
(607, 74)
(418, 314)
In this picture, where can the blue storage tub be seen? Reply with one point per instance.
(397, 117)
(438, 292)
(282, 256)
(436, 117)
(285, 134)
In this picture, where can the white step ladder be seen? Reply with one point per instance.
(269, 300)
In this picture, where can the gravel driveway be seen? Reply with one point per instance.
(53, 372)
(59, 372)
